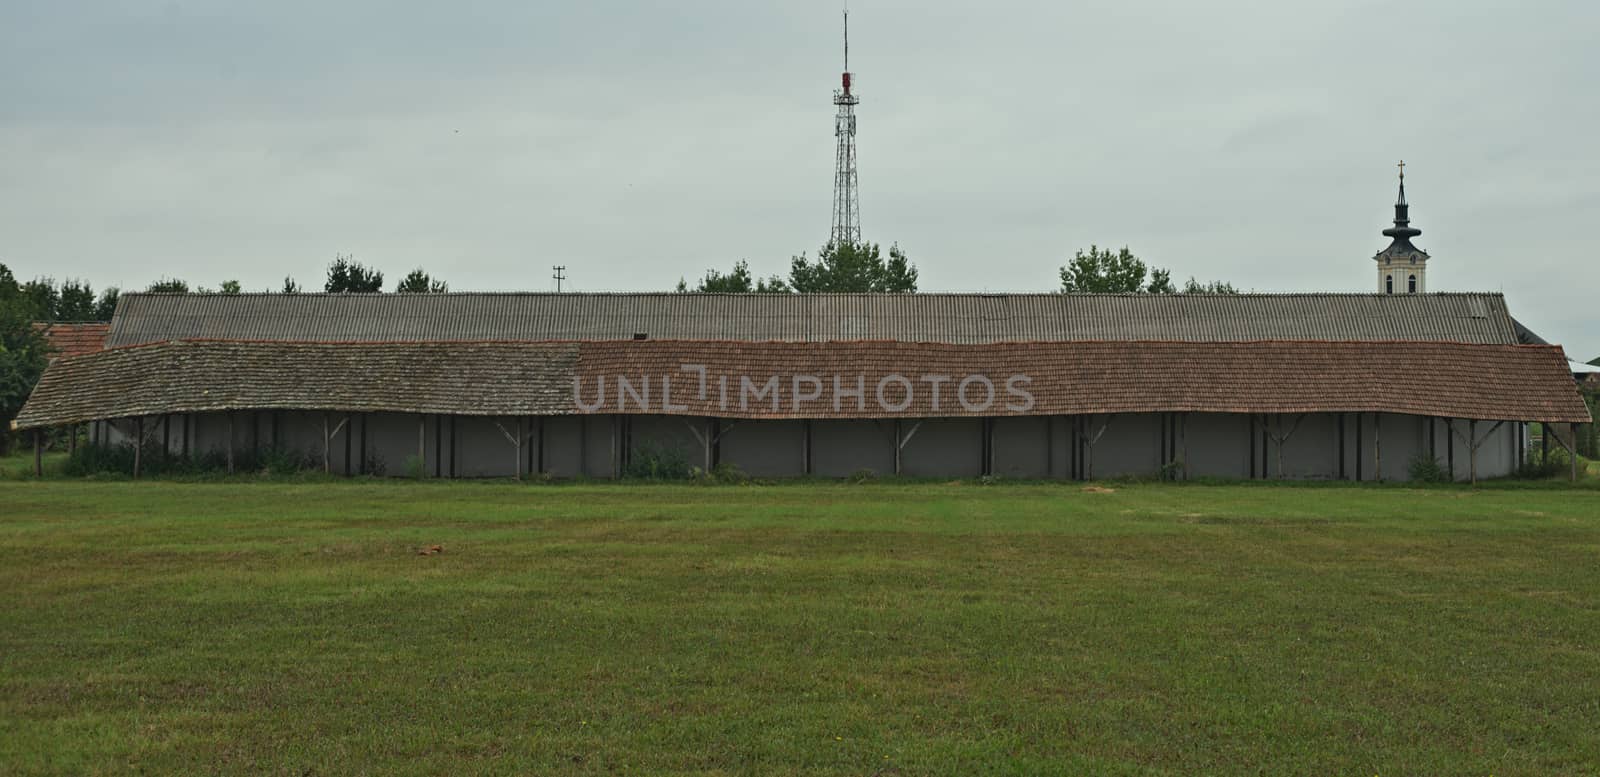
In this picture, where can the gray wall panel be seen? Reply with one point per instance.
(840, 448)
(1019, 447)
(943, 447)
(768, 449)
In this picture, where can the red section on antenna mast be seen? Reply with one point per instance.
(846, 83)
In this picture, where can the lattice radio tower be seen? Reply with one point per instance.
(846, 206)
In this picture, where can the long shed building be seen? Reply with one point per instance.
(1327, 386)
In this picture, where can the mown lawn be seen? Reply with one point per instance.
(805, 628)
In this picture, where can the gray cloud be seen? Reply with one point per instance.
(637, 142)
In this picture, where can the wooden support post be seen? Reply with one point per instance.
(1377, 447)
(438, 445)
(518, 461)
(1358, 447)
(805, 446)
(361, 454)
(1280, 439)
(1183, 431)
(1049, 447)
(1341, 447)
(72, 439)
(1544, 442)
(188, 433)
(347, 428)
(1433, 447)
(897, 447)
(1160, 458)
(583, 445)
(453, 446)
(138, 445)
(1472, 448)
(422, 446)
(1077, 447)
(229, 446)
(327, 446)
(38, 453)
(1266, 469)
(616, 468)
(1450, 449)
(541, 445)
(166, 436)
(988, 446)
(1572, 457)
(1252, 435)
(1090, 442)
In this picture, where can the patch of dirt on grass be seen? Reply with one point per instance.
(1098, 490)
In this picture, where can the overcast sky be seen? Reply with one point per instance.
(640, 142)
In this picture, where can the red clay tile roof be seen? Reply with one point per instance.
(74, 339)
(1491, 382)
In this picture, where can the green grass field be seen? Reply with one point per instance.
(805, 628)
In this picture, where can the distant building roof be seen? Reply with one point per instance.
(73, 339)
(1489, 382)
(945, 318)
(1579, 368)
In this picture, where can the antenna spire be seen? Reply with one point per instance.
(846, 205)
(846, 37)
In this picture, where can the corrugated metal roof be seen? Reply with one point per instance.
(945, 318)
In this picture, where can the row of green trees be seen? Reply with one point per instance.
(23, 351)
(44, 299)
(846, 267)
(863, 268)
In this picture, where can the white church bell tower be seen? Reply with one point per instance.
(1402, 267)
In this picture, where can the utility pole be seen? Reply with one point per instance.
(561, 275)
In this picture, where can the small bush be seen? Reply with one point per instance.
(722, 473)
(1537, 466)
(863, 475)
(154, 462)
(1425, 469)
(650, 461)
(414, 468)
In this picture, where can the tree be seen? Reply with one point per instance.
(346, 274)
(419, 282)
(1103, 272)
(1212, 287)
(290, 286)
(107, 304)
(40, 298)
(230, 287)
(23, 352)
(169, 286)
(1160, 282)
(738, 281)
(75, 302)
(853, 267)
